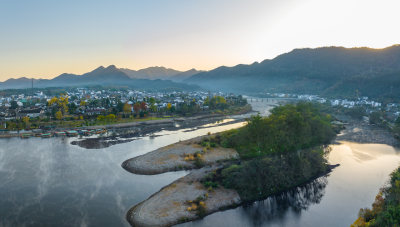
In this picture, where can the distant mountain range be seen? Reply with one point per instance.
(330, 71)
(162, 73)
(110, 76)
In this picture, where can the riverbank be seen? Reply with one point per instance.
(127, 132)
(187, 199)
(176, 203)
(124, 129)
(362, 132)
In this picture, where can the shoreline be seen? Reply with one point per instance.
(169, 206)
(141, 123)
(172, 157)
(173, 203)
(361, 132)
(129, 131)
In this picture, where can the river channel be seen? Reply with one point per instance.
(49, 182)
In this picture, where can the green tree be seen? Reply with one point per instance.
(375, 118)
(72, 108)
(14, 105)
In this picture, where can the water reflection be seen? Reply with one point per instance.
(49, 182)
(364, 168)
(274, 208)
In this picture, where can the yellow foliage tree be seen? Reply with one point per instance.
(111, 117)
(52, 101)
(82, 103)
(61, 103)
(26, 121)
(127, 108)
(59, 115)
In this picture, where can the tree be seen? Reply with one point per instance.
(26, 121)
(82, 103)
(59, 115)
(71, 108)
(152, 100)
(143, 106)
(136, 107)
(100, 118)
(153, 108)
(375, 118)
(127, 108)
(111, 117)
(60, 103)
(120, 106)
(14, 105)
(52, 101)
(216, 102)
(63, 103)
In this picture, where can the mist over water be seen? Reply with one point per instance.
(49, 182)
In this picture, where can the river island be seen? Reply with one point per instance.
(265, 157)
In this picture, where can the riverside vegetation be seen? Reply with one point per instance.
(386, 207)
(277, 152)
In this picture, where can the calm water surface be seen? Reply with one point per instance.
(333, 200)
(49, 182)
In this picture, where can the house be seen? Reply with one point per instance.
(32, 113)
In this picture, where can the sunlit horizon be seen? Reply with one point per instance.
(43, 39)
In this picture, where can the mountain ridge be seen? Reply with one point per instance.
(331, 71)
(104, 76)
(159, 72)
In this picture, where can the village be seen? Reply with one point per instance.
(73, 109)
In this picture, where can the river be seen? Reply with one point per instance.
(49, 182)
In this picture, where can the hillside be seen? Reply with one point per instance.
(331, 71)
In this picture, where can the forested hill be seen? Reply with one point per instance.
(335, 71)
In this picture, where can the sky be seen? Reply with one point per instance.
(44, 38)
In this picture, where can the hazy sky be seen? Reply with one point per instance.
(44, 38)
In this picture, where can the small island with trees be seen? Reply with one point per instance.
(267, 156)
